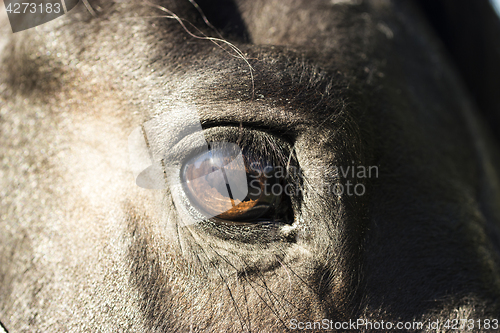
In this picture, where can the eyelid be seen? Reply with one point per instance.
(154, 146)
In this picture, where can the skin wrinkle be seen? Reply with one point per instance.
(82, 248)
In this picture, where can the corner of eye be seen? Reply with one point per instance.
(289, 230)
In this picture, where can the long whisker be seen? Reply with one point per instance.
(234, 302)
(216, 41)
(205, 19)
(271, 307)
(271, 294)
(89, 8)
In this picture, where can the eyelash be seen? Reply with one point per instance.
(277, 150)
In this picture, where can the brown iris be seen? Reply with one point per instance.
(221, 184)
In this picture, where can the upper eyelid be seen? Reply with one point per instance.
(169, 147)
(183, 150)
(169, 134)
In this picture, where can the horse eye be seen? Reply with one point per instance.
(230, 185)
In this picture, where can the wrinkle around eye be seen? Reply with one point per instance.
(256, 115)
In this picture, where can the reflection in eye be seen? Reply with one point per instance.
(207, 179)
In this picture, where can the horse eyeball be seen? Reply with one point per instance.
(220, 183)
